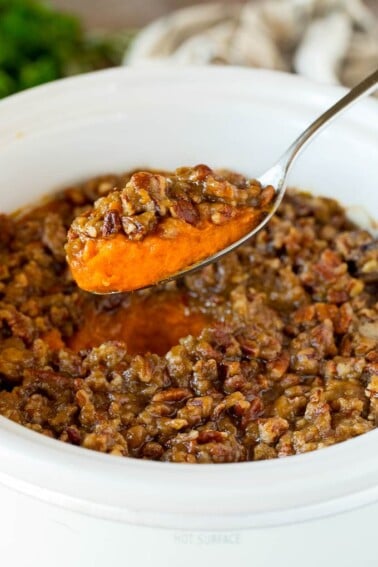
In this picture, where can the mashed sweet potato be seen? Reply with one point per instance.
(158, 225)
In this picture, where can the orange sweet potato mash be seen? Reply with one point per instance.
(146, 324)
(117, 264)
(158, 225)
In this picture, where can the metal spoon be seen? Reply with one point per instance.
(278, 174)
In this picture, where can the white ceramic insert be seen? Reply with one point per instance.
(72, 505)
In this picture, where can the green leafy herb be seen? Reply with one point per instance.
(39, 44)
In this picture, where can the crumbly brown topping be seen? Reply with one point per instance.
(289, 365)
(190, 194)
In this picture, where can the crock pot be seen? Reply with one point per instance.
(61, 504)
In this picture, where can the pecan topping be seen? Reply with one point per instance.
(112, 223)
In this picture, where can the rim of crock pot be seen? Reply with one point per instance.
(31, 104)
(258, 494)
(229, 496)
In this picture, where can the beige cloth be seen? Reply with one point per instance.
(331, 41)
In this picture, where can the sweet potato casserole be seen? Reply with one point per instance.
(271, 351)
(162, 223)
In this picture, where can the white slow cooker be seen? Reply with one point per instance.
(62, 505)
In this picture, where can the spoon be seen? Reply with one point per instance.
(277, 175)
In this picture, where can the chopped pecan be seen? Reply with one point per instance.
(112, 223)
(138, 226)
(185, 210)
(172, 395)
(210, 437)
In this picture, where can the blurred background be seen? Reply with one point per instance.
(113, 14)
(331, 41)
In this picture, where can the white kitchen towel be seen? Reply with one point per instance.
(331, 41)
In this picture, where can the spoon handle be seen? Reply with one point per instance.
(364, 88)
